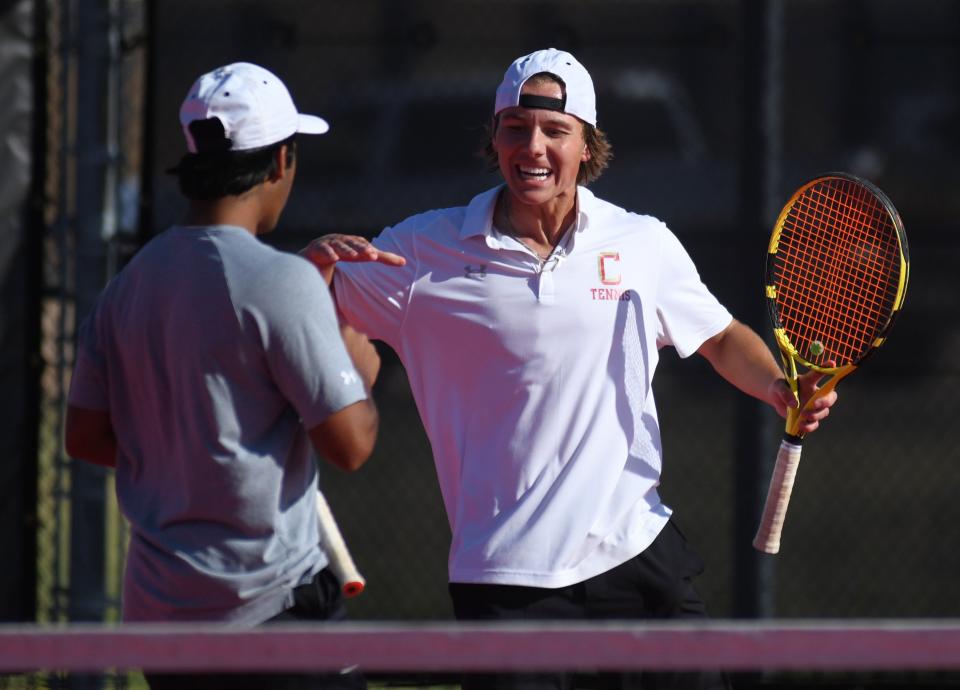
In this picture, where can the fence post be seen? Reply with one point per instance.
(761, 29)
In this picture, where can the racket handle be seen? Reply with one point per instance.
(778, 497)
(341, 562)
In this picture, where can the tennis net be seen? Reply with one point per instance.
(766, 649)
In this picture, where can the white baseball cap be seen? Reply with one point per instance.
(251, 103)
(580, 98)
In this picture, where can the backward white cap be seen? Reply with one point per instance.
(580, 97)
(252, 104)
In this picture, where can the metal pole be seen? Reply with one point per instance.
(761, 25)
(87, 482)
(94, 222)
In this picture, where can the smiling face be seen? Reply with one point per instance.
(539, 151)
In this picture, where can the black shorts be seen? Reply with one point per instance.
(656, 584)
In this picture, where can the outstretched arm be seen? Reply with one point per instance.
(347, 437)
(740, 356)
(324, 252)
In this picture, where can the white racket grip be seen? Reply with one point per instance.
(778, 497)
(341, 562)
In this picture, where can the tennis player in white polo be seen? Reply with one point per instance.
(530, 322)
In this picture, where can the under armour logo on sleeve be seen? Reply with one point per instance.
(349, 377)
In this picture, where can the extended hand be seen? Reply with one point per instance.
(325, 251)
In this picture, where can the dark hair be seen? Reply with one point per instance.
(217, 172)
(601, 151)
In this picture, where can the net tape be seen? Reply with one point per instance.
(784, 646)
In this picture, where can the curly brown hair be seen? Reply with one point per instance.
(601, 151)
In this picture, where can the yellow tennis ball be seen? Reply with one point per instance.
(816, 348)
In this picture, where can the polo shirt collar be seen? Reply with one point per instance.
(478, 219)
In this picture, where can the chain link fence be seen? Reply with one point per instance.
(116, 156)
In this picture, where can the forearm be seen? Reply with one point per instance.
(741, 357)
(347, 437)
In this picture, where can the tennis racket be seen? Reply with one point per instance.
(836, 277)
(341, 562)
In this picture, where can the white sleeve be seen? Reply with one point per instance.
(373, 297)
(687, 312)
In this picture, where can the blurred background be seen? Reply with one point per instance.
(716, 110)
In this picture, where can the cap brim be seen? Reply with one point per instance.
(311, 124)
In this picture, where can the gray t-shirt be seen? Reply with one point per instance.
(213, 354)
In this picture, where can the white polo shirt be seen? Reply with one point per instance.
(534, 381)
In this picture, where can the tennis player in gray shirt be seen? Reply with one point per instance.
(208, 368)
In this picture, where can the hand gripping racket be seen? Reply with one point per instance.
(836, 276)
(341, 562)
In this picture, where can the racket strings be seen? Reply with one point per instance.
(861, 278)
(836, 270)
(833, 282)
